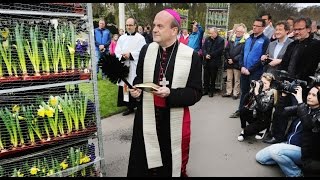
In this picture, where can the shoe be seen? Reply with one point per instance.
(271, 141)
(211, 94)
(261, 134)
(226, 95)
(235, 97)
(127, 112)
(241, 138)
(184, 174)
(235, 114)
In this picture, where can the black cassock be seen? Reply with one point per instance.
(181, 97)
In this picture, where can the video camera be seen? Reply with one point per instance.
(288, 84)
(315, 81)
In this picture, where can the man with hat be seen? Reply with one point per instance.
(161, 130)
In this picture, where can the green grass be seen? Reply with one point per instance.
(108, 96)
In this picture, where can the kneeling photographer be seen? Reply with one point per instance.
(287, 85)
(299, 154)
(309, 114)
(257, 109)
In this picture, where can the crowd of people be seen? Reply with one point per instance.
(271, 107)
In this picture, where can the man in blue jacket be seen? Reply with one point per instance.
(251, 68)
(102, 39)
(195, 38)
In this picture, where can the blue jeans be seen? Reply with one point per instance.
(287, 156)
(98, 54)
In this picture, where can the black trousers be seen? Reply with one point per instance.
(279, 121)
(255, 125)
(210, 71)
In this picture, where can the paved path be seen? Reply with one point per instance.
(214, 151)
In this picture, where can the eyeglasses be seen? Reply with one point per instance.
(256, 26)
(299, 29)
(129, 25)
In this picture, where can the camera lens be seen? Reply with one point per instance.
(253, 84)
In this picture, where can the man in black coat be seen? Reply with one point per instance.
(212, 51)
(300, 61)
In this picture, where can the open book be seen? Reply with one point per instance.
(148, 87)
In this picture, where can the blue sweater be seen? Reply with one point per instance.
(295, 134)
(195, 39)
(254, 48)
(102, 37)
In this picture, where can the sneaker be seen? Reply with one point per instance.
(235, 114)
(261, 134)
(240, 137)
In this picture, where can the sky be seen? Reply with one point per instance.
(303, 5)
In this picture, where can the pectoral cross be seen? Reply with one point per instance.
(164, 82)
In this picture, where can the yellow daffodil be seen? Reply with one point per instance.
(51, 171)
(34, 170)
(15, 108)
(43, 170)
(5, 33)
(84, 160)
(49, 112)
(71, 50)
(60, 108)
(19, 117)
(34, 121)
(19, 174)
(5, 44)
(41, 111)
(64, 165)
(53, 101)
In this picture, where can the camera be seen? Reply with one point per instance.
(288, 84)
(290, 87)
(253, 84)
(267, 61)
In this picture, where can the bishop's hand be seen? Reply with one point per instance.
(135, 92)
(162, 92)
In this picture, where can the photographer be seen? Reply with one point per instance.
(310, 117)
(195, 38)
(148, 34)
(286, 154)
(257, 109)
(305, 160)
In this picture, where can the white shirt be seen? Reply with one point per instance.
(279, 47)
(133, 45)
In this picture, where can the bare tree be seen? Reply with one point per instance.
(312, 12)
(278, 11)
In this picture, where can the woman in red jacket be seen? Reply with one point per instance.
(184, 37)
